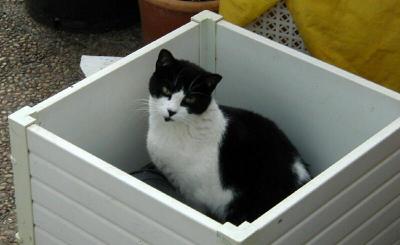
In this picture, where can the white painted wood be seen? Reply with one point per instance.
(44, 238)
(358, 214)
(103, 113)
(206, 15)
(103, 205)
(302, 203)
(366, 195)
(18, 122)
(316, 105)
(133, 193)
(389, 236)
(207, 21)
(374, 225)
(80, 216)
(355, 145)
(352, 122)
(60, 228)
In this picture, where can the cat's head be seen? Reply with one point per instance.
(180, 89)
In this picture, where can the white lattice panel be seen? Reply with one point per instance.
(277, 24)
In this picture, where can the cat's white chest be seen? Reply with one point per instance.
(189, 157)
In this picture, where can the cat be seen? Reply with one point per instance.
(227, 162)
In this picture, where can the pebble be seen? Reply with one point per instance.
(35, 63)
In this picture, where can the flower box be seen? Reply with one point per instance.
(72, 152)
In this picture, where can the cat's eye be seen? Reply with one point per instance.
(166, 91)
(189, 99)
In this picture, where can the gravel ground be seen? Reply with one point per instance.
(35, 63)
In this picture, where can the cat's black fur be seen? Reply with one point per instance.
(255, 158)
(256, 161)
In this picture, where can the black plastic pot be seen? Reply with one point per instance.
(84, 15)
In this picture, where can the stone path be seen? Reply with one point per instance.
(35, 63)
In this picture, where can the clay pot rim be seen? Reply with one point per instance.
(185, 6)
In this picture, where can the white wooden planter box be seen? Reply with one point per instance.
(71, 153)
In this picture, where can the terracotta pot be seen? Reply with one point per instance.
(158, 17)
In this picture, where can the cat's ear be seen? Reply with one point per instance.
(211, 81)
(165, 58)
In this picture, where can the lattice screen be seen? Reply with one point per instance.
(277, 24)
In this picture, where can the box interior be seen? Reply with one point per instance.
(324, 114)
(106, 116)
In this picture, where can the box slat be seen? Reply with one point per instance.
(58, 227)
(390, 235)
(44, 238)
(80, 216)
(305, 201)
(102, 204)
(374, 225)
(365, 196)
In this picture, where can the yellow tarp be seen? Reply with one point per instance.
(361, 36)
(242, 12)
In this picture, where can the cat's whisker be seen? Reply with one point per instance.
(146, 105)
(143, 107)
(143, 104)
(142, 99)
(146, 109)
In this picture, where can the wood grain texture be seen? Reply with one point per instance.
(60, 228)
(375, 224)
(44, 238)
(390, 235)
(352, 206)
(18, 123)
(80, 216)
(102, 204)
(122, 188)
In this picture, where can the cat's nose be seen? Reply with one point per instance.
(171, 113)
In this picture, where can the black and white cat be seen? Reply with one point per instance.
(229, 162)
